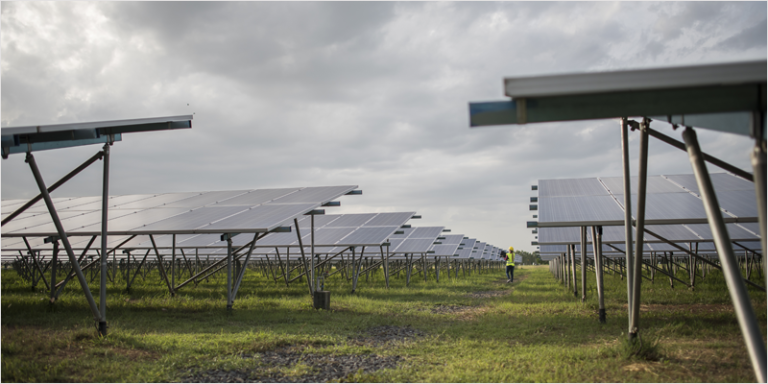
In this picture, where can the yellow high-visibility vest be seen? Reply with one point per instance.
(510, 259)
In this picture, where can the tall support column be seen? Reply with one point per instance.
(385, 265)
(229, 272)
(597, 247)
(759, 169)
(54, 261)
(572, 249)
(563, 269)
(583, 264)
(637, 269)
(173, 260)
(627, 219)
(312, 252)
(62, 235)
(733, 278)
(104, 254)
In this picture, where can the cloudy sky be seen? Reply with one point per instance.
(372, 94)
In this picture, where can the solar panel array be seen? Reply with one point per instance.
(196, 220)
(669, 199)
(257, 210)
(415, 240)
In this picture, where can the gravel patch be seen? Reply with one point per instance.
(486, 294)
(446, 309)
(387, 334)
(297, 367)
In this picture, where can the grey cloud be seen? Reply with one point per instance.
(752, 37)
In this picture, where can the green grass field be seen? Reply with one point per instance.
(476, 329)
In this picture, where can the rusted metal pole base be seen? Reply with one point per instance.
(323, 300)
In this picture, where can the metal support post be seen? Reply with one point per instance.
(104, 254)
(637, 270)
(572, 249)
(597, 246)
(315, 284)
(759, 169)
(54, 261)
(173, 260)
(384, 263)
(229, 272)
(733, 278)
(583, 231)
(627, 220)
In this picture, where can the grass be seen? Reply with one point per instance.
(533, 330)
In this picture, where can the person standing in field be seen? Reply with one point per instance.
(511, 265)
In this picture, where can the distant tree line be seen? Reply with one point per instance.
(531, 258)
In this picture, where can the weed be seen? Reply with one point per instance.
(640, 348)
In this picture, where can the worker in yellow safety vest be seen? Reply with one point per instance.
(511, 265)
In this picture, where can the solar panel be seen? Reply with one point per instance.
(445, 249)
(312, 194)
(667, 201)
(352, 220)
(654, 184)
(720, 182)
(185, 220)
(370, 235)
(205, 198)
(571, 187)
(257, 197)
(579, 209)
(198, 212)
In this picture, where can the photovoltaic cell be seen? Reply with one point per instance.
(260, 219)
(155, 201)
(720, 181)
(559, 235)
(113, 202)
(126, 220)
(426, 232)
(571, 187)
(257, 197)
(313, 194)
(654, 184)
(390, 218)
(328, 236)
(445, 249)
(368, 236)
(352, 220)
(205, 198)
(452, 239)
(739, 203)
(414, 246)
(735, 232)
(579, 208)
(189, 220)
(20, 223)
